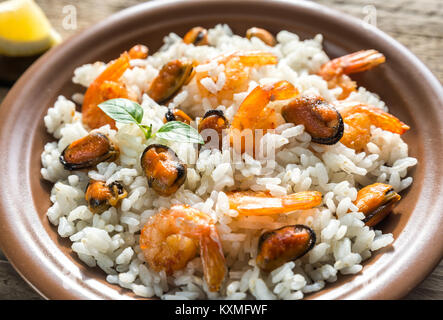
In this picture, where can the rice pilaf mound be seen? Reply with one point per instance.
(110, 240)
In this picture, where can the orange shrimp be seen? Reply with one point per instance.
(236, 72)
(139, 51)
(254, 112)
(359, 118)
(262, 203)
(106, 86)
(171, 238)
(337, 70)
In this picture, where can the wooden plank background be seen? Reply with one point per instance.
(418, 24)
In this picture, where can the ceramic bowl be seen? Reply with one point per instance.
(410, 90)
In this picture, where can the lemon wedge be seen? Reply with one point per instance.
(24, 29)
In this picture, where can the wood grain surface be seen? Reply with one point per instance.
(417, 24)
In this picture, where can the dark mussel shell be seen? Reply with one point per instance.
(198, 36)
(288, 243)
(163, 169)
(172, 76)
(100, 196)
(321, 120)
(262, 34)
(213, 120)
(88, 152)
(177, 115)
(376, 201)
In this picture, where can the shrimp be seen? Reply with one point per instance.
(236, 69)
(171, 238)
(254, 112)
(139, 51)
(263, 203)
(106, 86)
(336, 71)
(359, 118)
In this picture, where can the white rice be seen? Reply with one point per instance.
(110, 240)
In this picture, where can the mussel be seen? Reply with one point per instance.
(321, 120)
(174, 114)
(172, 76)
(163, 169)
(99, 196)
(376, 201)
(279, 246)
(211, 128)
(262, 34)
(197, 36)
(88, 152)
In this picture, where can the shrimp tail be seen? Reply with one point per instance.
(113, 72)
(249, 112)
(260, 58)
(361, 61)
(213, 260)
(262, 203)
(386, 121)
(302, 200)
(352, 63)
(253, 114)
(106, 82)
(282, 90)
(378, 117)
(336, 71)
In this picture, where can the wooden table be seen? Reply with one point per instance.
(418, 24)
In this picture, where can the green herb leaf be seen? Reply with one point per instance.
(147, 130)
(123, 110)
(180, 132)
(127, 111)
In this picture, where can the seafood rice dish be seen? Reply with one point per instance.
(225, 166)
